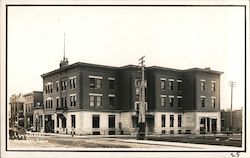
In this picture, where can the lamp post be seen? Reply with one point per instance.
(231, 84)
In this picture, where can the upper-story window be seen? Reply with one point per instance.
(49, 103)
(203, 84)
(137, 92)
(73, 100)
(95, 99)
(171, 84)
(137, 106)
(57, 86)
(95, 82)
(203, 101)
(111, 83)
(163, 83)
(111, 99)
(163, 100)
(64, 85)
(72, 82)
(213, 86)
(213, 102)
(179, 85)
(49, 87)
(171, 101)
(98, 100)
(64, 102)
(179, 99)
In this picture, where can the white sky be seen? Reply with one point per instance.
(174, 37)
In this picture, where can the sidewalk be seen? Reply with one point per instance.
(184, 145)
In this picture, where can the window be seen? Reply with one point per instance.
(95, 82)
(179, 85)
(171, 84)
(48, 104)
(179, 98)
(163, 100)
(179, 120)
(98, 83)
(95, 99)
(171, 120)
(213, 102)
(92, 100)
(49, 88)
(137, 107)
(137, 92)
(213, 86)
(163, 120)
(92, 83)
(64, 85)
(65, 101)
(57, 102)
(171, 101)
(98, 101)
(202, 101)
(95, 121)
(111, 83)
(62, 101)
(203, 85)
(163, 84)
(72, 83)
(137, 83)
(111, 100)
(73, 100)
(179, 131)
(111, 121)
(171, 131)
(57, 86)
(73, 121)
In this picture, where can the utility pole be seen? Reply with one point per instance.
(142, 108)
(231, 84)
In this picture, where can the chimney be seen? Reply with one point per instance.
(207, 68)
(64, 63)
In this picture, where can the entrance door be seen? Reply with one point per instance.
(214, 125)
(150, 125)
(49, 124)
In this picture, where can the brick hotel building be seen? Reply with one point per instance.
(95, 99)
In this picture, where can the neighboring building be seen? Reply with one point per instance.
(237, 120)
(16, 110)
(33, 110)
(94, 99)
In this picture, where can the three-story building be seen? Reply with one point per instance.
(95, 99)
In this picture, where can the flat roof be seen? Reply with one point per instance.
(207, 70)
